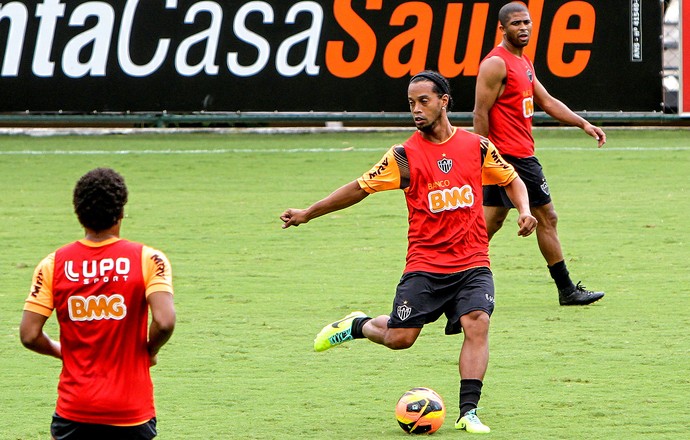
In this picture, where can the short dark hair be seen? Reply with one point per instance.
(441, 84)
(99, 198)
(509, 9)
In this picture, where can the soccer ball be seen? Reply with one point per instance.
(420, 411)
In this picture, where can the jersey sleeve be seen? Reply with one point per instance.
(40, 299)
(156, 271)
(495, 170)
(388, 173)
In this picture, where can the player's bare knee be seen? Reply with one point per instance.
(548, 219)
(399, 342)
(475, 324)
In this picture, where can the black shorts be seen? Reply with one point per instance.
(422, 297)
(530, 171)
(63, 429)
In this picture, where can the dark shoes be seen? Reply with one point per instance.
(578, 296)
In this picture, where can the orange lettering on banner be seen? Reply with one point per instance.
(473, 52)
(562, 35)
(363, 35)
(418, 36)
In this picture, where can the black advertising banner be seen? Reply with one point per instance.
(299, 56)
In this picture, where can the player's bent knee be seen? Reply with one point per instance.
(400, 340)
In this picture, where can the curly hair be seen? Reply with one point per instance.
(99, 199)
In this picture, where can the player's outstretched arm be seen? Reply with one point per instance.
(345, 196)
(558, 110)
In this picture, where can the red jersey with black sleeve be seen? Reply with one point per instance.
(510, 118)
(98, 291)
(443, 189)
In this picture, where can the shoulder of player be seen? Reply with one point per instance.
(494, 66)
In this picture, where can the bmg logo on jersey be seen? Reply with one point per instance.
(95, 271)
(96, 307)
(449, 199)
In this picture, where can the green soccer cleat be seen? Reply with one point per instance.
(336, 333)
(471, 423)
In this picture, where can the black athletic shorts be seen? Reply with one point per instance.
(63, 429)
(530, 171)
(422, 297)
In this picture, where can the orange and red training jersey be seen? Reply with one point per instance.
(443, 189)
(98, 292)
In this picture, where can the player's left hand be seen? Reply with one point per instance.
(527, 224)
(597, 133)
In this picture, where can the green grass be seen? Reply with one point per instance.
(250, 296)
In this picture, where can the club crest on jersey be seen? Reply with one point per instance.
(530, 76)
(445, 164)
(404, 312)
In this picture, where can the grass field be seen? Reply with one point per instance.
(250, 296)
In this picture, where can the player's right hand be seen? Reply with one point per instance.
(293, 217)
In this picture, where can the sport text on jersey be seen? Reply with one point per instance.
(98, 271)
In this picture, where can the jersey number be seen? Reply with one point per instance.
(528, 107)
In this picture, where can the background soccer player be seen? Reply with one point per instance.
(101, 288)
(441, 170)
(507, 89)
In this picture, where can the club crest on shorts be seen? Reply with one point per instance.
(545, 187)
(404, 312)
(445, 164)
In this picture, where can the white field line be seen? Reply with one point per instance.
(287, 151)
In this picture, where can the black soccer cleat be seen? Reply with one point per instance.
(578, 296)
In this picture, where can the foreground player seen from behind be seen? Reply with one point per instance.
(441, 170)
(101, 289)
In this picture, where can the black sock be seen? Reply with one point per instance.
(357, 325)
(560, 275)
(470, 391)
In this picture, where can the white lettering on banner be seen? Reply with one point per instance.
(211, 36)
(48, 12)
(311, 35)
(244, 34)
(123, 43)
(96, 40)
(18, 16)
(99, 36)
